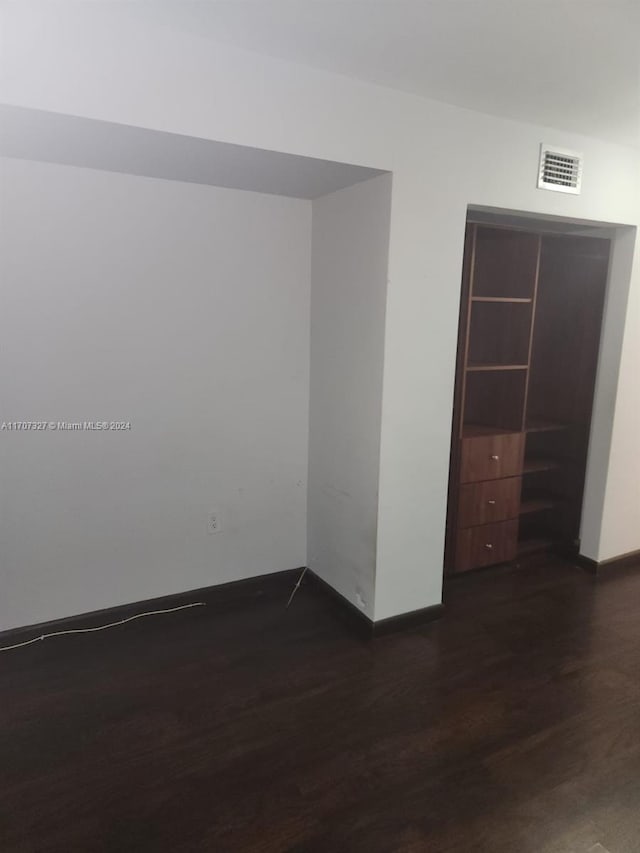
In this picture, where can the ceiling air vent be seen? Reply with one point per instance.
(560, 170)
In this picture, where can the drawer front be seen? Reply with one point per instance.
(491, 500)
(490, 457)
(485, 545)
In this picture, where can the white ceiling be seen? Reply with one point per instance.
(74, 141)
(569, 64)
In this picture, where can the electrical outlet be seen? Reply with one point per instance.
(213, 524)
(360, 600)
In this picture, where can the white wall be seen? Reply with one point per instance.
(185, 310)
(619, 311)
(443, 159)
(350, 248)
(620, 532)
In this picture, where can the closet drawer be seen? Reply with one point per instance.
(490, 457)
(491, 500)
(485, 545)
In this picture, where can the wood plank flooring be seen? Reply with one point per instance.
(510, 726)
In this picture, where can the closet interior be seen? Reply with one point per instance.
(530, 319)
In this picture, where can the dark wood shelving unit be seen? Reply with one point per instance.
(542, 425)
(537, 505)
(475, 368)
(535, 545)
(476, 430)
(536, 466)
(507, 299)
(530, 317)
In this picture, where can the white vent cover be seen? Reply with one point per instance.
(560, 170)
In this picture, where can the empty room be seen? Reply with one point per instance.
(319, 426)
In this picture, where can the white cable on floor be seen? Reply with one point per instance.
(101, 627)
(296, 587)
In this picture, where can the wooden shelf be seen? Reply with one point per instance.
(477, 430)
(512, 299)
(537, 505)
(539, 425)
(505, 262)
(532, 466)
(533, 545)
(477, 368)
(499, 334)
(495, 398)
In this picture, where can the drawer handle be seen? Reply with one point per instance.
(491, 503)
(494, 458)
(488, 546)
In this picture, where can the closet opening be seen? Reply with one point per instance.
(531, 312)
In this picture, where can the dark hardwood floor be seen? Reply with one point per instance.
(510, 726)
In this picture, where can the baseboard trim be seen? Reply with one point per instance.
(239, 592)
(365, 626)
(347, 612)
(412, 619)
(586, 563)
(243, 592)
(595, 567)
